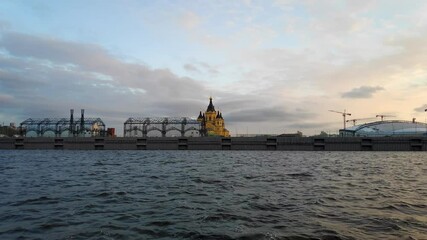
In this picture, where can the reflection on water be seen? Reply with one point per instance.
(212, 195)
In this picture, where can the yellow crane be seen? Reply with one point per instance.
(358, 119)
(344, 114)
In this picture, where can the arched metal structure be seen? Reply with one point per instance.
(58, 126)
(182, 125)
(386, 128)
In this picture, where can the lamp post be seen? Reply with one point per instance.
(425, 119)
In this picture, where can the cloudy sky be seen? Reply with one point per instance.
(271, 66)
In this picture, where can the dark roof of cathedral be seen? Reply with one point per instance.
(200, 115)
(219, 115)
(211, 107)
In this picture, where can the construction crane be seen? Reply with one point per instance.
(358, 119)
(383, 116)
(344, 114)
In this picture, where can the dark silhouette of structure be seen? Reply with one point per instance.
(182, 126)
(59, 126)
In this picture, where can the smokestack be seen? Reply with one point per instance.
(82, 121)
(71, 127)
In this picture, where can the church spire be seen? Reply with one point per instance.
(211, 107)
(200, 116)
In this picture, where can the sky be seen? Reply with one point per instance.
(272, 67)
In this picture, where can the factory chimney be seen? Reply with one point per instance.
(71, 127)
(82, 122)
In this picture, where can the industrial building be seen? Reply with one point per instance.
(386, 129)
(63, 127)
(9, 131)
(162, 127)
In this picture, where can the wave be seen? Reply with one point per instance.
(36, 201)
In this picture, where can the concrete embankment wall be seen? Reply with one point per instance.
(219, 143)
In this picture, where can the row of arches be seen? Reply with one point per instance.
(62, 127)
(162, 127)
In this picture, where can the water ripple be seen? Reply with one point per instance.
(212, 195)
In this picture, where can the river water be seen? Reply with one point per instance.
(212, 195)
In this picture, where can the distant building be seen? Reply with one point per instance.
(8, 131)
(63, 127)
(213, 121)
(386, 129)
(111, 132)
(297, 134)
(162, 127)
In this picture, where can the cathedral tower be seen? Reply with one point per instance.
(214, 122)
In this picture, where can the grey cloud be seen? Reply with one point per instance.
(201, 67)
(241, 102)
(55, 50)
(191, 68)
(253, 109)
(209, 68)
(45, 77)
(213, 71)
(89, 57)
(308, 125)
(421, 108)
(7, 101)
(183, 107)
(4, 25)
(362, 92)
(266, 115)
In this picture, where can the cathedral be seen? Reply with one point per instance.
(213, 121)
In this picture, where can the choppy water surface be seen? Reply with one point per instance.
(212, 195)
